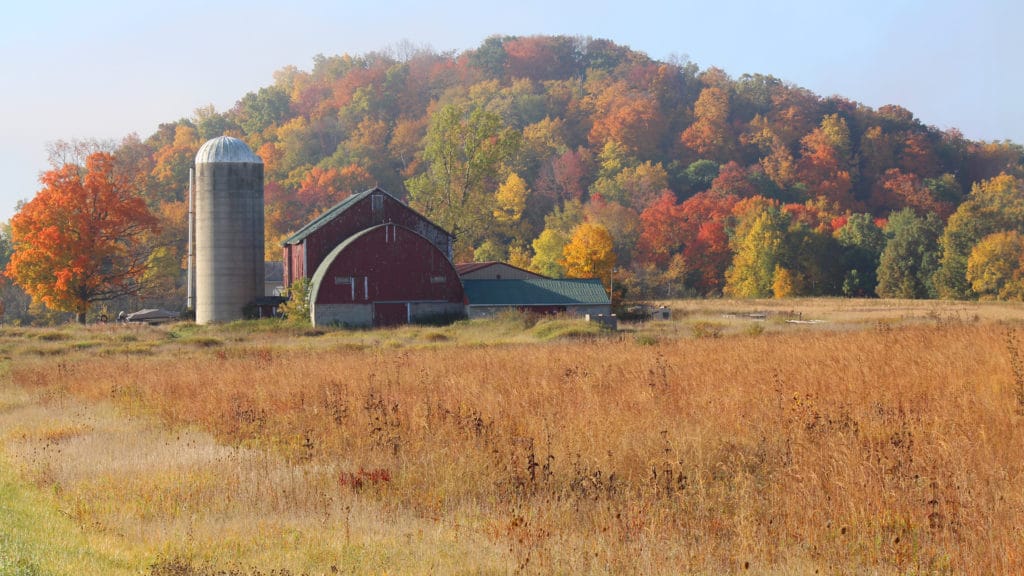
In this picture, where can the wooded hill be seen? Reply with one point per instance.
(703, 183)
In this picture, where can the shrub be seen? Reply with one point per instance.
(705, 329)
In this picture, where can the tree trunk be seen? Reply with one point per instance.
(80, 317)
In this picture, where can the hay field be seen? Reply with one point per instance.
(866, 437)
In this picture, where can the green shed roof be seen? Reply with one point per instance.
(535, 292)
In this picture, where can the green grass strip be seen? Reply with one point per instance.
(37, 540)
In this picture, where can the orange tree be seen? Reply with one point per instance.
(81, 239)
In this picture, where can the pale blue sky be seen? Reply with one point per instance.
(106, 68)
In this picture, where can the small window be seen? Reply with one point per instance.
(376, 203)
(438, 279)
(342, 280)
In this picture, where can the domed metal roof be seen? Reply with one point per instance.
(226, 149)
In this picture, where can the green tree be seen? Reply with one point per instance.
(465, 153)
(258, 111)
(700, 174)
(297, 308)
(911, 256)
(614, 156)
(809, 257)
(14, 302)
(211, 124)
(862, 242)
(490, 57)
(490, 251)
(548, 248)
(758, 251)
(634, 186)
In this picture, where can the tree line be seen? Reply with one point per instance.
(577, 156)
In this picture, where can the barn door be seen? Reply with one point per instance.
(390, 314)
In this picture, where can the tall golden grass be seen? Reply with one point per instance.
(882, 450)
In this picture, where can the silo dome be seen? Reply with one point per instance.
(229, 230)
(226, 149)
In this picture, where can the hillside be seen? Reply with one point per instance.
(707, 184)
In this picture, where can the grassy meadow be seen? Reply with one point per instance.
(770, 437)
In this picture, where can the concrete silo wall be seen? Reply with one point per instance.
(229, 239)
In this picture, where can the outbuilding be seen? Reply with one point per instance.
(493, 271)
(573, 296)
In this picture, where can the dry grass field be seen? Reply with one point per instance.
(866, 437)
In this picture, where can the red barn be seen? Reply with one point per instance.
(373, 261)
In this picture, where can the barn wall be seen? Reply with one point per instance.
(580, 310)
(363, 314)
(484, 311)
(593, 310)
(342, 314)
(436, 311)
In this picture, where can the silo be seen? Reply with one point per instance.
(228, 229)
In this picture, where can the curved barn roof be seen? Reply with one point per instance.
(225, 149)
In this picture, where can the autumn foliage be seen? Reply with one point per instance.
(491, 142)
(590, 253)
(80, 240)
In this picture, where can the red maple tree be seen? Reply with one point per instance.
(80, 240)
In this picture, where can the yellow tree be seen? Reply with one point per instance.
(994, 266)
(81, 239)
(994, 205)
(510, 199)
(590, 253)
